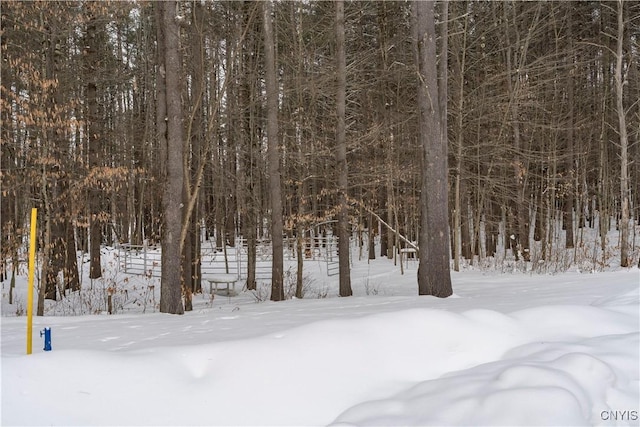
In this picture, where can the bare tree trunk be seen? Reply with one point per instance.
(517, 51)
(341, 157)
(434, 277)
(171, 280)
(273, 155)
(71, 275)
(391, 249)
(459, 67)
(571, 171)
(249, 137)
(53, 191)
(45, 245)
(570, 168)
(194, 162)
(250, 214)
(373, 230)
(93, 135)
(625, 260)
(384, 235)
(443, 62)
(299, 260)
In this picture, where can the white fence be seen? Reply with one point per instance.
(146, 259)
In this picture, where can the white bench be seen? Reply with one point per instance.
(216, 279)
(408, 253)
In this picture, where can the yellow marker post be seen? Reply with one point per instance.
(32, 268)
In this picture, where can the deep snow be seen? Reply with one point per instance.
(506, 349)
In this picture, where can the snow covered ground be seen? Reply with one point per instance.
(506, 349)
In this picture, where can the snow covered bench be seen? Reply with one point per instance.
(216, 279)
(408, 253)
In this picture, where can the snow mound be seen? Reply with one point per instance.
(501, 354)
(572, 389)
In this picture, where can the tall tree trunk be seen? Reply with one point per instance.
(191, 247)
(94, 140)
(570, 170)
(250, 170)
(45, 244)
(273, 154)
(625, 259)
(171, 280)
(459, 239)
(443, 63)
(54, 177)
(434, 277)
(248, 80)
(341, 157)
(516, 54)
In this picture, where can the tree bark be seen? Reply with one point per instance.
(273, 155)
(341, 157)
(94, 140)
(434, 277)
(625, 260)
(194, 163)
(569, 202)
(171, 280)
(249, 163)
(459, 239)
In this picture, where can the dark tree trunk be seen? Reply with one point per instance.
(71, 276)
(248, 136)
(94, 141)
(434, 277)
(188, 257)
(171, 280)
(384, 236)
(372, 237)
(341, 157)
(56, 194)
(273, 155)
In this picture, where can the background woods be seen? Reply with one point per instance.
(167, 121)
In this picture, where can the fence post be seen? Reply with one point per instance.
(239, 249)
(125, 257)
(144, 256)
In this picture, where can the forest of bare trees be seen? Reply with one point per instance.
(163, 121)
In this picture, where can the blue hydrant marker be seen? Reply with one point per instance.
(47, 338)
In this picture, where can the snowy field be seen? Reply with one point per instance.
(507, 349)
